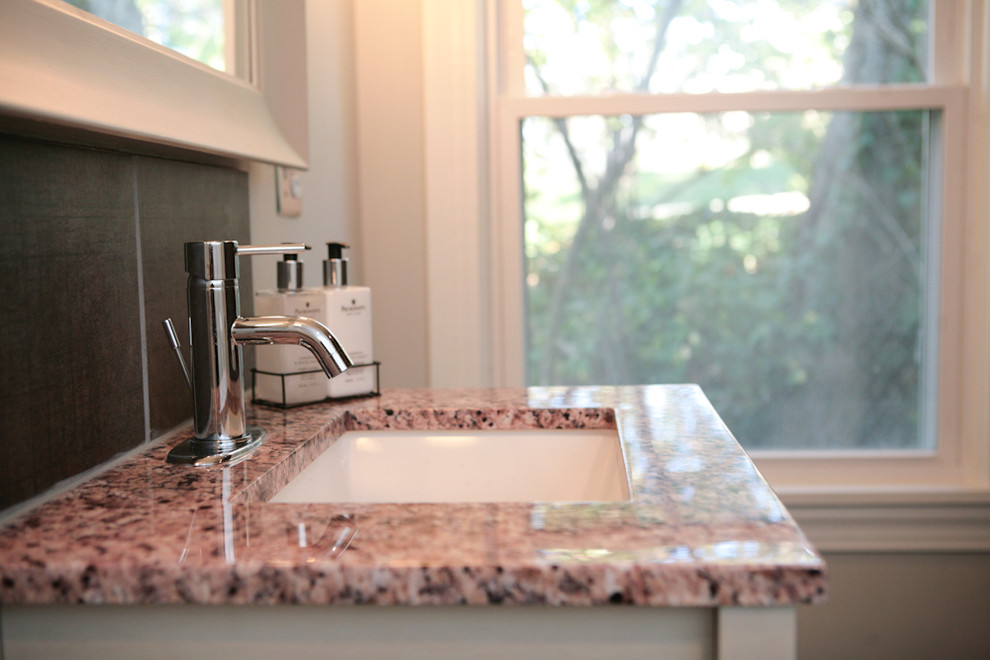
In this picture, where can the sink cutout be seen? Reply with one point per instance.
(528, 465)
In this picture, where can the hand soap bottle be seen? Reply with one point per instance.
(289, 375)
(348, 315)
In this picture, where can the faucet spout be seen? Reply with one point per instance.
(296, 330)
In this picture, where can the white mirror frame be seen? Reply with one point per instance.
(66, 72)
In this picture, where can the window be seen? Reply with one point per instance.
(778, 258)
(749, 144)
(729, 252)
(750, 201)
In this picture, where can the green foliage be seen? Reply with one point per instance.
(194, 28)
(692, 299)
(805, 330)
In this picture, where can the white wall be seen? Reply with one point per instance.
(365, 126)
(330, 185)
(389, 106)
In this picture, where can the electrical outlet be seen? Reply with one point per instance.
(288, 191)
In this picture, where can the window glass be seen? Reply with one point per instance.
(580, 47)
(779, 260)
(194, 28)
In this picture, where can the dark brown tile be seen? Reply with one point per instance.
(71, 396)
(181, 202)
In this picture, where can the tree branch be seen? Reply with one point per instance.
(597, 200)
(561, 125)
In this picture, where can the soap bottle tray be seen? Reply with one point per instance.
(376, 390)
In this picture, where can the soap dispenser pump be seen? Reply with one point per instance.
(348, 309)
(289, 274)
(335, 267)
(289, 375)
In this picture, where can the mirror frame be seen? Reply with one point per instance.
(65, 73)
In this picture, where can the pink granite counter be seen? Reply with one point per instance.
(702, 527)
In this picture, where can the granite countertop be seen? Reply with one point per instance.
(702, 528)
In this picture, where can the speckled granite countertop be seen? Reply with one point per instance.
(702, 527)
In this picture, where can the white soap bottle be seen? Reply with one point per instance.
(289, 375)
(348, 315)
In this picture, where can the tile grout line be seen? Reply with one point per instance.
(142, 320)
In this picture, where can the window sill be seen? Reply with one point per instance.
(886, 520)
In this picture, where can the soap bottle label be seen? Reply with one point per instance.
(349, 318)
(289, 375)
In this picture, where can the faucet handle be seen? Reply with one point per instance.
(217, 260)
(283, 248)
(173, 340)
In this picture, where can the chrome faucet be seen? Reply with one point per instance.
(216, 333)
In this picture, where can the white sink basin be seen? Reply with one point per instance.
(534, 465)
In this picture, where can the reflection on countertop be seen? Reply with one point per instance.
(702, 528)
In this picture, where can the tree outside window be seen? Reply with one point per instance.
(777, 258)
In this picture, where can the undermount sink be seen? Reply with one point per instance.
(531, 465)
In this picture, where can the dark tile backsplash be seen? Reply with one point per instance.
(178, 204)
(80, 231)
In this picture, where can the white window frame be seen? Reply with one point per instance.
(475, 255)
(65, 74)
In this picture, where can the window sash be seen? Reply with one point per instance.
(798, 469)
(950, 463)
(475, 259)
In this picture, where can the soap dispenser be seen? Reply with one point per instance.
(289, 375)
(348, 311)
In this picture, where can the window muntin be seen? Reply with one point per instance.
(581, 47)
(777, 259)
